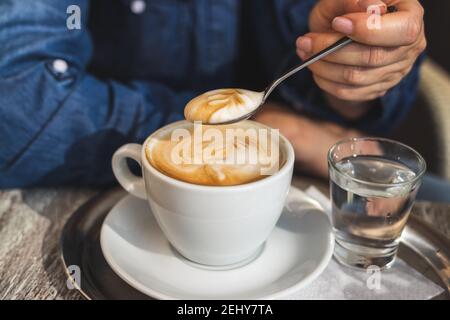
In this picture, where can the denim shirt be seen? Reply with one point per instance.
(70, 98)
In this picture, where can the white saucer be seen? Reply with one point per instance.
(298, 250)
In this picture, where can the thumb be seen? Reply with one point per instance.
(367, 8)
(326, 10)
(345, 23)
(398, 28)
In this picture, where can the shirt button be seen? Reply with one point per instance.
(138, 6)
(60, 66)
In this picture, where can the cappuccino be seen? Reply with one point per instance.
(216, 155)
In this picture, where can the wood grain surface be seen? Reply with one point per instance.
(30, 226)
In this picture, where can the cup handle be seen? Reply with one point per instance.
(129, 181)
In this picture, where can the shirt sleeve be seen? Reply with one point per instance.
(60, 124)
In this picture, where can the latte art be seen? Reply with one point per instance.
(222, 105)
(216, 155)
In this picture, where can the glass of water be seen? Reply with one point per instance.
(373, 185)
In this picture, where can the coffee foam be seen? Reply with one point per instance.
(214, 164)
(222, 105)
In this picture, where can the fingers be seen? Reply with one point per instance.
(354, 54)
(400, 28)
(358, 76)
(369, 4)
(357, 93)
(330, 9)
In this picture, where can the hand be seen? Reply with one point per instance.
(383, 56)
(311, 139)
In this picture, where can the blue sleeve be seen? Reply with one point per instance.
(62, 127)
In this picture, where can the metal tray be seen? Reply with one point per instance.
(422, 248)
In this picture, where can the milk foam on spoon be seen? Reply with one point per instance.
(222, 105)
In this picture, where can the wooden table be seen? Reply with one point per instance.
(31, 222)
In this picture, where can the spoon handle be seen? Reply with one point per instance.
(334, 47)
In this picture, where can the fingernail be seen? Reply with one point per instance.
(304, 44)
(343, 25)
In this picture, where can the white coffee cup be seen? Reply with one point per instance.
(210, 225)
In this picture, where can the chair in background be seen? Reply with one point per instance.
(427, 128)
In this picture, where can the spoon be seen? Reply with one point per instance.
(265, 94)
